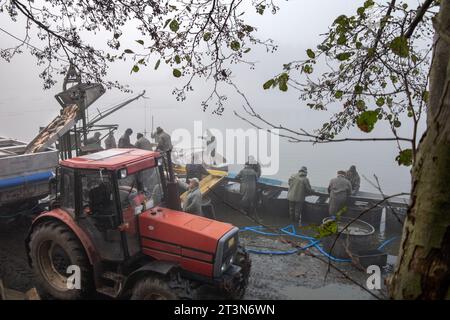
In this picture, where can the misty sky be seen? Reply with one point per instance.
(24, 106)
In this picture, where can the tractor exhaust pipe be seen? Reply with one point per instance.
(173, 196)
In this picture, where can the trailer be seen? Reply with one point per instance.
(24, 177)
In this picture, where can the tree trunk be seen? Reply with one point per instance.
(423, 266)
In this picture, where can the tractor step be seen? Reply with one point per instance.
(108, 291)
(116, 277)
(116, 280)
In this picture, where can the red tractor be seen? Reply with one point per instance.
(115, 220)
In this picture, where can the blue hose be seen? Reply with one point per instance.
(326, 254)
(20, 180)
(275, 253)
(385, 243)
(294, 233)
(313, 242)
(289, 230)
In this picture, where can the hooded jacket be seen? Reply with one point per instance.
(299, 187)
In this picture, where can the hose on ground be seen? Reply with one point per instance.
(289, 230)
(388, 241)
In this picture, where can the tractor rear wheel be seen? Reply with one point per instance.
(153, 288)
(53, 249)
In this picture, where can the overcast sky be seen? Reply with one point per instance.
(24, 106)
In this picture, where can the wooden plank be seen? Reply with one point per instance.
(181, 170)
(206, 184)
(56, 129)
(32, 294)
(9, 294)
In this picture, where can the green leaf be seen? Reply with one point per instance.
(338, 94)
(425, 96)
(397, 124)
(207, 36)
(135, 69)
(284, 77)
(311, 54)
(177, 59)
(157, 64)
(361, 105)
(282, 85)
(140, 42)
(380, 102)
(341, 20)
(368, 4)
(344, 56)
(174, 25)
(268, 84)
(117, 35)
(249, 28)
(247, 50)
(176, 73)
(361, 11)
(325, 229)
(358, 89)
(166, 23)
(128, 51)
(366, 120)
(260, 9)
(342, 40)
(282, 81)
(405, 158)
(235, 45)
(307, 69)
(400, 46)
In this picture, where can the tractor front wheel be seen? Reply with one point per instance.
(59, 262)
(153, 288)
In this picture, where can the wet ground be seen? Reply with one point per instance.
(303, 275)
(295, 276)
(14, 269)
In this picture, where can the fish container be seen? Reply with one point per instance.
(278, 205)
(315, 211)
(368, 258)
(372, 216)
(232, 198)
(357, 237)
(395, 218)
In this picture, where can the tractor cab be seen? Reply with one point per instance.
(105, 192)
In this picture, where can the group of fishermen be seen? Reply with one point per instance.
(163, 141)
(339, 189)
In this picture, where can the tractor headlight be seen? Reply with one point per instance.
(226, 264)
(226, 252)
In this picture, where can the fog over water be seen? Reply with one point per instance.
(24, 106)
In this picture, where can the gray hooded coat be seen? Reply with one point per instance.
(299, 187)
(248, 178)
(339, 189)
